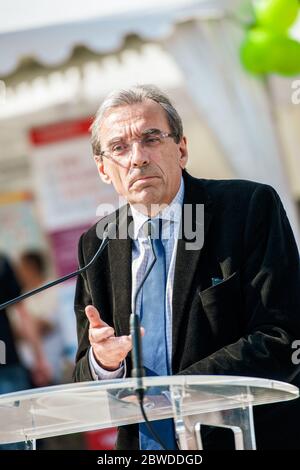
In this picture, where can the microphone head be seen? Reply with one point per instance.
(147, 228)
(152, 228)
(110, 231)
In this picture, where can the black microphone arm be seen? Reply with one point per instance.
(138, 370)
(106, 236)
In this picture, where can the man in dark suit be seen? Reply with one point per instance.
(234, 302)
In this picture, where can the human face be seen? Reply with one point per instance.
(148, 177)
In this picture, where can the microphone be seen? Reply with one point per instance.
(138, 370)
(106, 236)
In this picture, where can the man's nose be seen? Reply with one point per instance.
(138, 155)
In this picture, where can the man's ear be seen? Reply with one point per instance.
(183, 157)
(101, 169)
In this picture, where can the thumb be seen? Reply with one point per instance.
(94, 317)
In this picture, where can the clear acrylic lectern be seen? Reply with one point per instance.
(191, 400)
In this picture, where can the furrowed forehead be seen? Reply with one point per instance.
(118, 122)
(145, 133)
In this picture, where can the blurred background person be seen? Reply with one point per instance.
(44, 311)
(13, 375)
(51, 324)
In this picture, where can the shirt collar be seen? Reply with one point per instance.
(172, 212)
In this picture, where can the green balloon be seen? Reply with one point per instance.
(276, 15)
(266, 52)
(254, 51)
(284, 57)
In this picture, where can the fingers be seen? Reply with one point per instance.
(108, 349)
(96, 335)
(106, 340)
(112, 351)
(121, 344)
(142, 329)
(94, 317)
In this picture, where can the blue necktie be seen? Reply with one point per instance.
(154, 343)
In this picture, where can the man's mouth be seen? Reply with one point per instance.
(143, 179)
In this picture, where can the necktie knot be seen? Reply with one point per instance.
(153, 228)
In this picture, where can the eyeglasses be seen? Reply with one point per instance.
(151, 139)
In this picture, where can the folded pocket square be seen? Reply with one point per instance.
(216, 280)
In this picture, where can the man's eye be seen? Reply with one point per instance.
(152, 140)
(118, 148)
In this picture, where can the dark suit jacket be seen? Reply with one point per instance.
(243, 326)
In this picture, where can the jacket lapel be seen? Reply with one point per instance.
(187, 260)
(120, 257)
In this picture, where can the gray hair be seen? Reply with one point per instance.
(133, 95)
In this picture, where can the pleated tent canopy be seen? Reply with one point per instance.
(49, 31)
